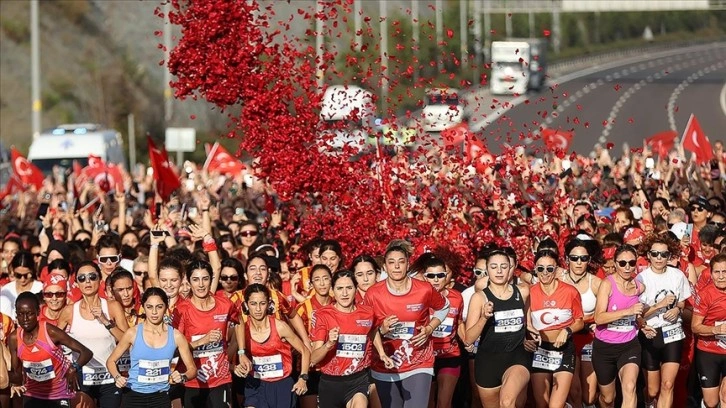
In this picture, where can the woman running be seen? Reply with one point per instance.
(555, 313)
(321, 277)
(665, 294)
(708, 324)
(584, 383)
(98, 325)
(403, 313)
(204, 320)
(616, 349)
(269, 342)
(152, 344)
(496, 317)
(447, 353)
(44, 376)
(342, 339)
(55, 297)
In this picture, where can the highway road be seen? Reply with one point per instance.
(625, 101)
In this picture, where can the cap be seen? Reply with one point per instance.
(608, 253)
(679, 229)
(700, 201)
(55, 279)
(633, 234)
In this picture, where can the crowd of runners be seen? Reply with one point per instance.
(211, 300)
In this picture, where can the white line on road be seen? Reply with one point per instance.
(722, 98)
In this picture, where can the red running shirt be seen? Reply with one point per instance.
(444, 336)
(710, 303)
(413, 310)
(210, 359)
(557, 311)
(271, 359)
(352, 354)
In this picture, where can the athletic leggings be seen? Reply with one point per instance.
(411, 392)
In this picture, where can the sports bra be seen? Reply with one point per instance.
(588, 298)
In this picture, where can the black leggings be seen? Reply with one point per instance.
(133, 399)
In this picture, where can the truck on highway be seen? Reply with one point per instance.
(518, 65)
(63, 144)
(348, 116)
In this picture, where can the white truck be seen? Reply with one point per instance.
(518, 65)
(65, 143)
(348, 115)
(442, 109)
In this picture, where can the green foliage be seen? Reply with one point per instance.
(17, 30)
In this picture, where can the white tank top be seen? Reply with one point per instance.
(589, 300)
(98, 339)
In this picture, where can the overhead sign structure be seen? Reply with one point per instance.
(181, 139)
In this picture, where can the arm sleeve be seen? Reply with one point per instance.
(443, 312)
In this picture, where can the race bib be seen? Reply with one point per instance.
(508, 321)
(673, 333)
(267, 367)
(445, 328)
(207, 350)
(586, 353)
(351, 346)
(401, 331)
(154, 371)
(96, 376)
(547, 359)
(124, 363)
(623, 325)
(39, 371)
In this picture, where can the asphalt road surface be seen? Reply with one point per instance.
(625, 101)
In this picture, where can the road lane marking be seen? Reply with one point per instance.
(722, 99)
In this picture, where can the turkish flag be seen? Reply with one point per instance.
(219, 160)
(455, 136)
(662, 142)
(557, 139)
(14, 186)
(104, 175)
(25, 171)
(166, 178)
(696, 141)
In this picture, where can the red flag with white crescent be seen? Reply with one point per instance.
(220, 160)
(662, 142)
(696, 141)
(166, 178)
(557, 139)
(26, 172)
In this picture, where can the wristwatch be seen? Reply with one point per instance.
(304, 377)
(569, 332)
(111, 324)
(184, 378)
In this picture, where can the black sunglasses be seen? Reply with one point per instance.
(233, 278)
(630, 263)
(662, 254)
(438, 275)
(582, 258)
(90, 276)
(22, 275)
(141, 273)
(547, 269)
(697, 208)
(248, 234)
(717, 224)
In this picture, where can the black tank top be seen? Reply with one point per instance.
(504, 331)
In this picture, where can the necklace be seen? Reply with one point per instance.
(573, 279)
(500, 295)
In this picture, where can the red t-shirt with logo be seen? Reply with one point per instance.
(211, 359)
(352, 353)
(555, 311)
(444, 336)
(413, 311)
(710, 303)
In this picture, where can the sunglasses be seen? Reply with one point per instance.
(109, 258)
(38, 255)
(225, 278)
(581, 258)
(90, 276)
(717, 224)
(22, 275)
(697, 208)
(439, 275)
(661, 254)
(479, 272)
(545, 269)
(51, 295)
(247, 234)
(141, 273)
(630, 263)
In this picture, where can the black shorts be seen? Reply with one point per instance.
(337, 391)
(220, 396)
(106, 395)
(489, 367)
(269, 394)
(133, 399)
(549, 359)
(176, 391)
(313, 383)
(30, 402)
(447, 362)
(711, 368)
(608, 358)
(656, 352)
